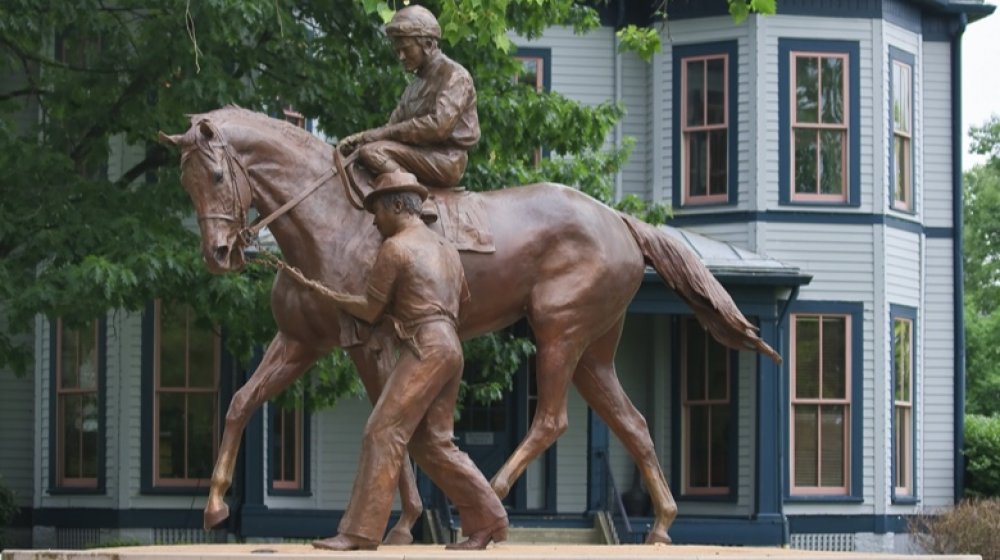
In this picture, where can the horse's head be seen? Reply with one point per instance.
(220, 190)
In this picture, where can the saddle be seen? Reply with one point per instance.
(461, 215)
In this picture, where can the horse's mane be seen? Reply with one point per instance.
(259, 121)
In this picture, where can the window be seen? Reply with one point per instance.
(903, 455)
(288, 459)
(706, 412)
(186, 364)
(901, 74)
(77, 408)
(704, 113)
(818, 112)
(534, 73)
(821, 403)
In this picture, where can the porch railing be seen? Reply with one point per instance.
(626, 531)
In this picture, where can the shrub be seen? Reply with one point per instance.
(982, 452)
(971, 527)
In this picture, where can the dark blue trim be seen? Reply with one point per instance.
(855, 311)
(958, 274)
(721, 530)
(897, 54)
(853, 51)
(902, 14)
(680, 52)
(677, 455)
(904, 312)
(272, 458)
(828, 524)
(831, 8)
(810, 217)
(250, 461)
(770, 477)
(102, 400)
(597, 450)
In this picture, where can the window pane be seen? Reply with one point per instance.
(201, 361)
(89, 428)
(201, 428)
(697, 162)
(720, 445)
(695, 361)
(832, 165)
(901, 168)
(290, 440)
(698, 445)
(69, 352)
(695, 93)
(901, 98)
(902, 340)
(834, 358)
(901, 457)
(720, 155)
(173, 345)
(171, 436)
(72, 431)
(806, 449)
(806, 85)
(807, 357)
(718, 370)
(716, 69)
(833, 433)
(529, 72)
(833, 90)
(805, 161)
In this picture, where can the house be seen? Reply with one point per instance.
(812, 159)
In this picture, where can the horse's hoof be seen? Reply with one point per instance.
(398, 536)
(214, 516)
(658, 537)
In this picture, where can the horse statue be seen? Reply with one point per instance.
(565, 262)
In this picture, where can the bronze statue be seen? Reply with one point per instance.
(418, 283)
(435, 122)
(564, 261)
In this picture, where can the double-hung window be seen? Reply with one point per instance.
(77, 407)
(818, 112)
(823, 410)
(288, 458)
(903, 444)
(705, 131)
(901, 75)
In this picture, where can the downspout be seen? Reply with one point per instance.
(957, 245)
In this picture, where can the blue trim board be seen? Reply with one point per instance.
(897, 54)
(826, 524)
(853, 50)
(958, 277)
(808, 217)
(102, 400)
(680, 52)
(855, 311)
(905, 312)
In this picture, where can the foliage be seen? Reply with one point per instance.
(982, 455)
(968, 528)
(645, 41)
(981, 258)
(8, 508)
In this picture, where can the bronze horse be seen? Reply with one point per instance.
(564, 261)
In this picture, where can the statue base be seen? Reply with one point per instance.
(512, 551)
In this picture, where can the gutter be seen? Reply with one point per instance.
(957, 250)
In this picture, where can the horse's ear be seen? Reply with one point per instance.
(206, 130)
(173, 140)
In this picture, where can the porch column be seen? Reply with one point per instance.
(770, 437)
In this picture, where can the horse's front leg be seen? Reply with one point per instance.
(374, 370)
(283, 362)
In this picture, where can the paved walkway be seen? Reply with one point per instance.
(427, 552)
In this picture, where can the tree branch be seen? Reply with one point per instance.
(23, 92)
(156, 157)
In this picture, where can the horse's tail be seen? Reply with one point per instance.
(694, 283)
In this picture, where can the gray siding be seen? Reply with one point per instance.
(902, 267)
(633, 363)
(936, 385)
(17, 431)
(583, 66)
(936, 184)
(636, 124)
(571, 459)
(337, 448)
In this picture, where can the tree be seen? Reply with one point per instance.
(79, 237)
(982, 272)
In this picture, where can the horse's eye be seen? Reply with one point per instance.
(217, 176)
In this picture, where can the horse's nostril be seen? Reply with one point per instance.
(221, 254)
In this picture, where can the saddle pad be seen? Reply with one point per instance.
(462, 220)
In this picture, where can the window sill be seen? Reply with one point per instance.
(824, 499)
(906, 500)
(821, 203)
(282, 493)
(72, 491)
(709, 499)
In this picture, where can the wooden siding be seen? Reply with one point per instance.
(903, 267)
(935, 88)
(337, 448)
(583, 66)
(695, 31)
(936, 379)
(637, 124)
(773, 28)
(571, 459)
(17, 430)
(634, 364)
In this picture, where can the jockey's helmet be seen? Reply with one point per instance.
(414, 21)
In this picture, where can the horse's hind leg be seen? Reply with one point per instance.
(558, 353)
(597, 382)
(284, 360)
(373, 377)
